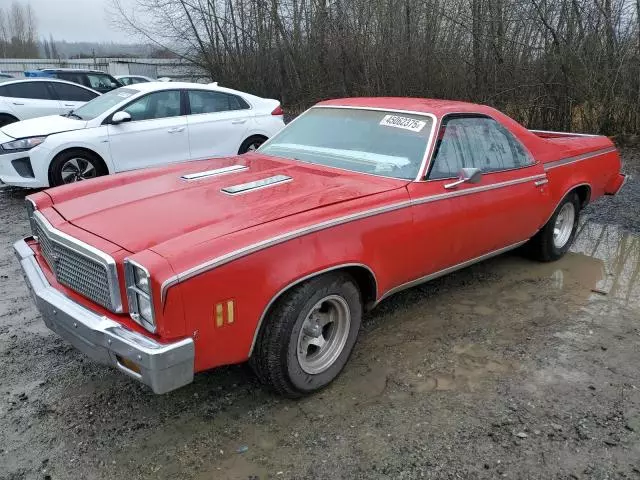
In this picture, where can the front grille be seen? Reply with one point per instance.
(87, 276)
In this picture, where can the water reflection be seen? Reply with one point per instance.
(619, 252)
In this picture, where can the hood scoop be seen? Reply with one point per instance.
(214, 173)
(256, 184)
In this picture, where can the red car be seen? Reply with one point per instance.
(273, 256)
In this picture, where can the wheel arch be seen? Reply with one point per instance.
(363, 275)
(584, 194)
(81, 149)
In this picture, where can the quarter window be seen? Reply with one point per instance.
(155, 105)
(203, 101)
(476, 142)
(72, 93)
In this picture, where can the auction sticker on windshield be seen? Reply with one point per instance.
(403, 122)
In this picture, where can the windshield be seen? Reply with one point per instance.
(368, 141)
(101, 104)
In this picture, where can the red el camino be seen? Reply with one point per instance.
(273, 256)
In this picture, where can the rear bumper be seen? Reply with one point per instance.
(164, 367)
(615, 185)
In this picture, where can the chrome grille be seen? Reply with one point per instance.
(88, 276)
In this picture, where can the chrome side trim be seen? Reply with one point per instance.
(577, 158)
(270, 242)
(433, 276)
(256, 185)
(564, 134)
(300, 280)
(483, 188)
(255, 247)
(89, 252)
(214, 173)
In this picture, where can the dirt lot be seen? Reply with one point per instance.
(507, 369)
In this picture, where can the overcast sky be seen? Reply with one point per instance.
(76, 20)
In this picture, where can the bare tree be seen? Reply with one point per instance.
(567, 64)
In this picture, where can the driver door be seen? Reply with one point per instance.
(156, 135)
(468, 221)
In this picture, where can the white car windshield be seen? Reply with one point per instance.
(101, 104)
(377, 142)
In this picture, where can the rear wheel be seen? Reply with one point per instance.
(308, 335)
(6, 119)
(75, 166)
(251, 144)
(556, 237)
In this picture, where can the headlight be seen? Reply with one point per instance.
(23, 144)
(139, 295)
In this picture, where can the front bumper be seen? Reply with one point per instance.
(164, 367)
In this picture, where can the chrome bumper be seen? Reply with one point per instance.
(164, 367)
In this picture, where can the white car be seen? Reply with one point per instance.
(134, 127)
(21, 99)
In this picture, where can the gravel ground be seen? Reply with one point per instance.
(507, 369)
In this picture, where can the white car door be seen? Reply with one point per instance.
(32, 99)
(71, 96)
(156, 135)
(217, 123)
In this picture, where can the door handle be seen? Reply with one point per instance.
(176, 130)
(16, 103)
(69, 104)
(238, 122)
(540, 183)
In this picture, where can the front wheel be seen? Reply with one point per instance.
(74, 166)
(556, 237)
(308, 335)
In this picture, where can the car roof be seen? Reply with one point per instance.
(44, 79)
(421, 105)
(153, 86)
(91, 70)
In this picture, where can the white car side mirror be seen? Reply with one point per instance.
(120, 117)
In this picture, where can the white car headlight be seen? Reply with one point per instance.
(22, 144)
(139, 294)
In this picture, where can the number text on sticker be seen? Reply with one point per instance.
(403, 122)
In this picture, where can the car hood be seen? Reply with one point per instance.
(154, 206)
(43, 126)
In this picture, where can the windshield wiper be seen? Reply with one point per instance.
(71, 113)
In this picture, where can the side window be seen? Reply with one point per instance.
(35, 90)
(72, 93)
(100, 81)
(203, 101)
(71, 77)
(476, 142)
(155, 105)
(4, 91)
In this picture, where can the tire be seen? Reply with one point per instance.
(251, 144)
(548, 244)
(279, 358)
(6, 119)
(75, 165)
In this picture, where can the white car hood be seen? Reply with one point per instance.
(42, 126)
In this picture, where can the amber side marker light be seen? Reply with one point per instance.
(129, 365)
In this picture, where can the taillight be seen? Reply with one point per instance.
(277, 111)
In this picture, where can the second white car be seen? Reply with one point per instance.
(134, 127)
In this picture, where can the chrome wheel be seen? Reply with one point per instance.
(77, 169)
(564, 225)
(323, 334)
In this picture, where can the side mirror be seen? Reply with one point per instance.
(120, 117)
(466, 175)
